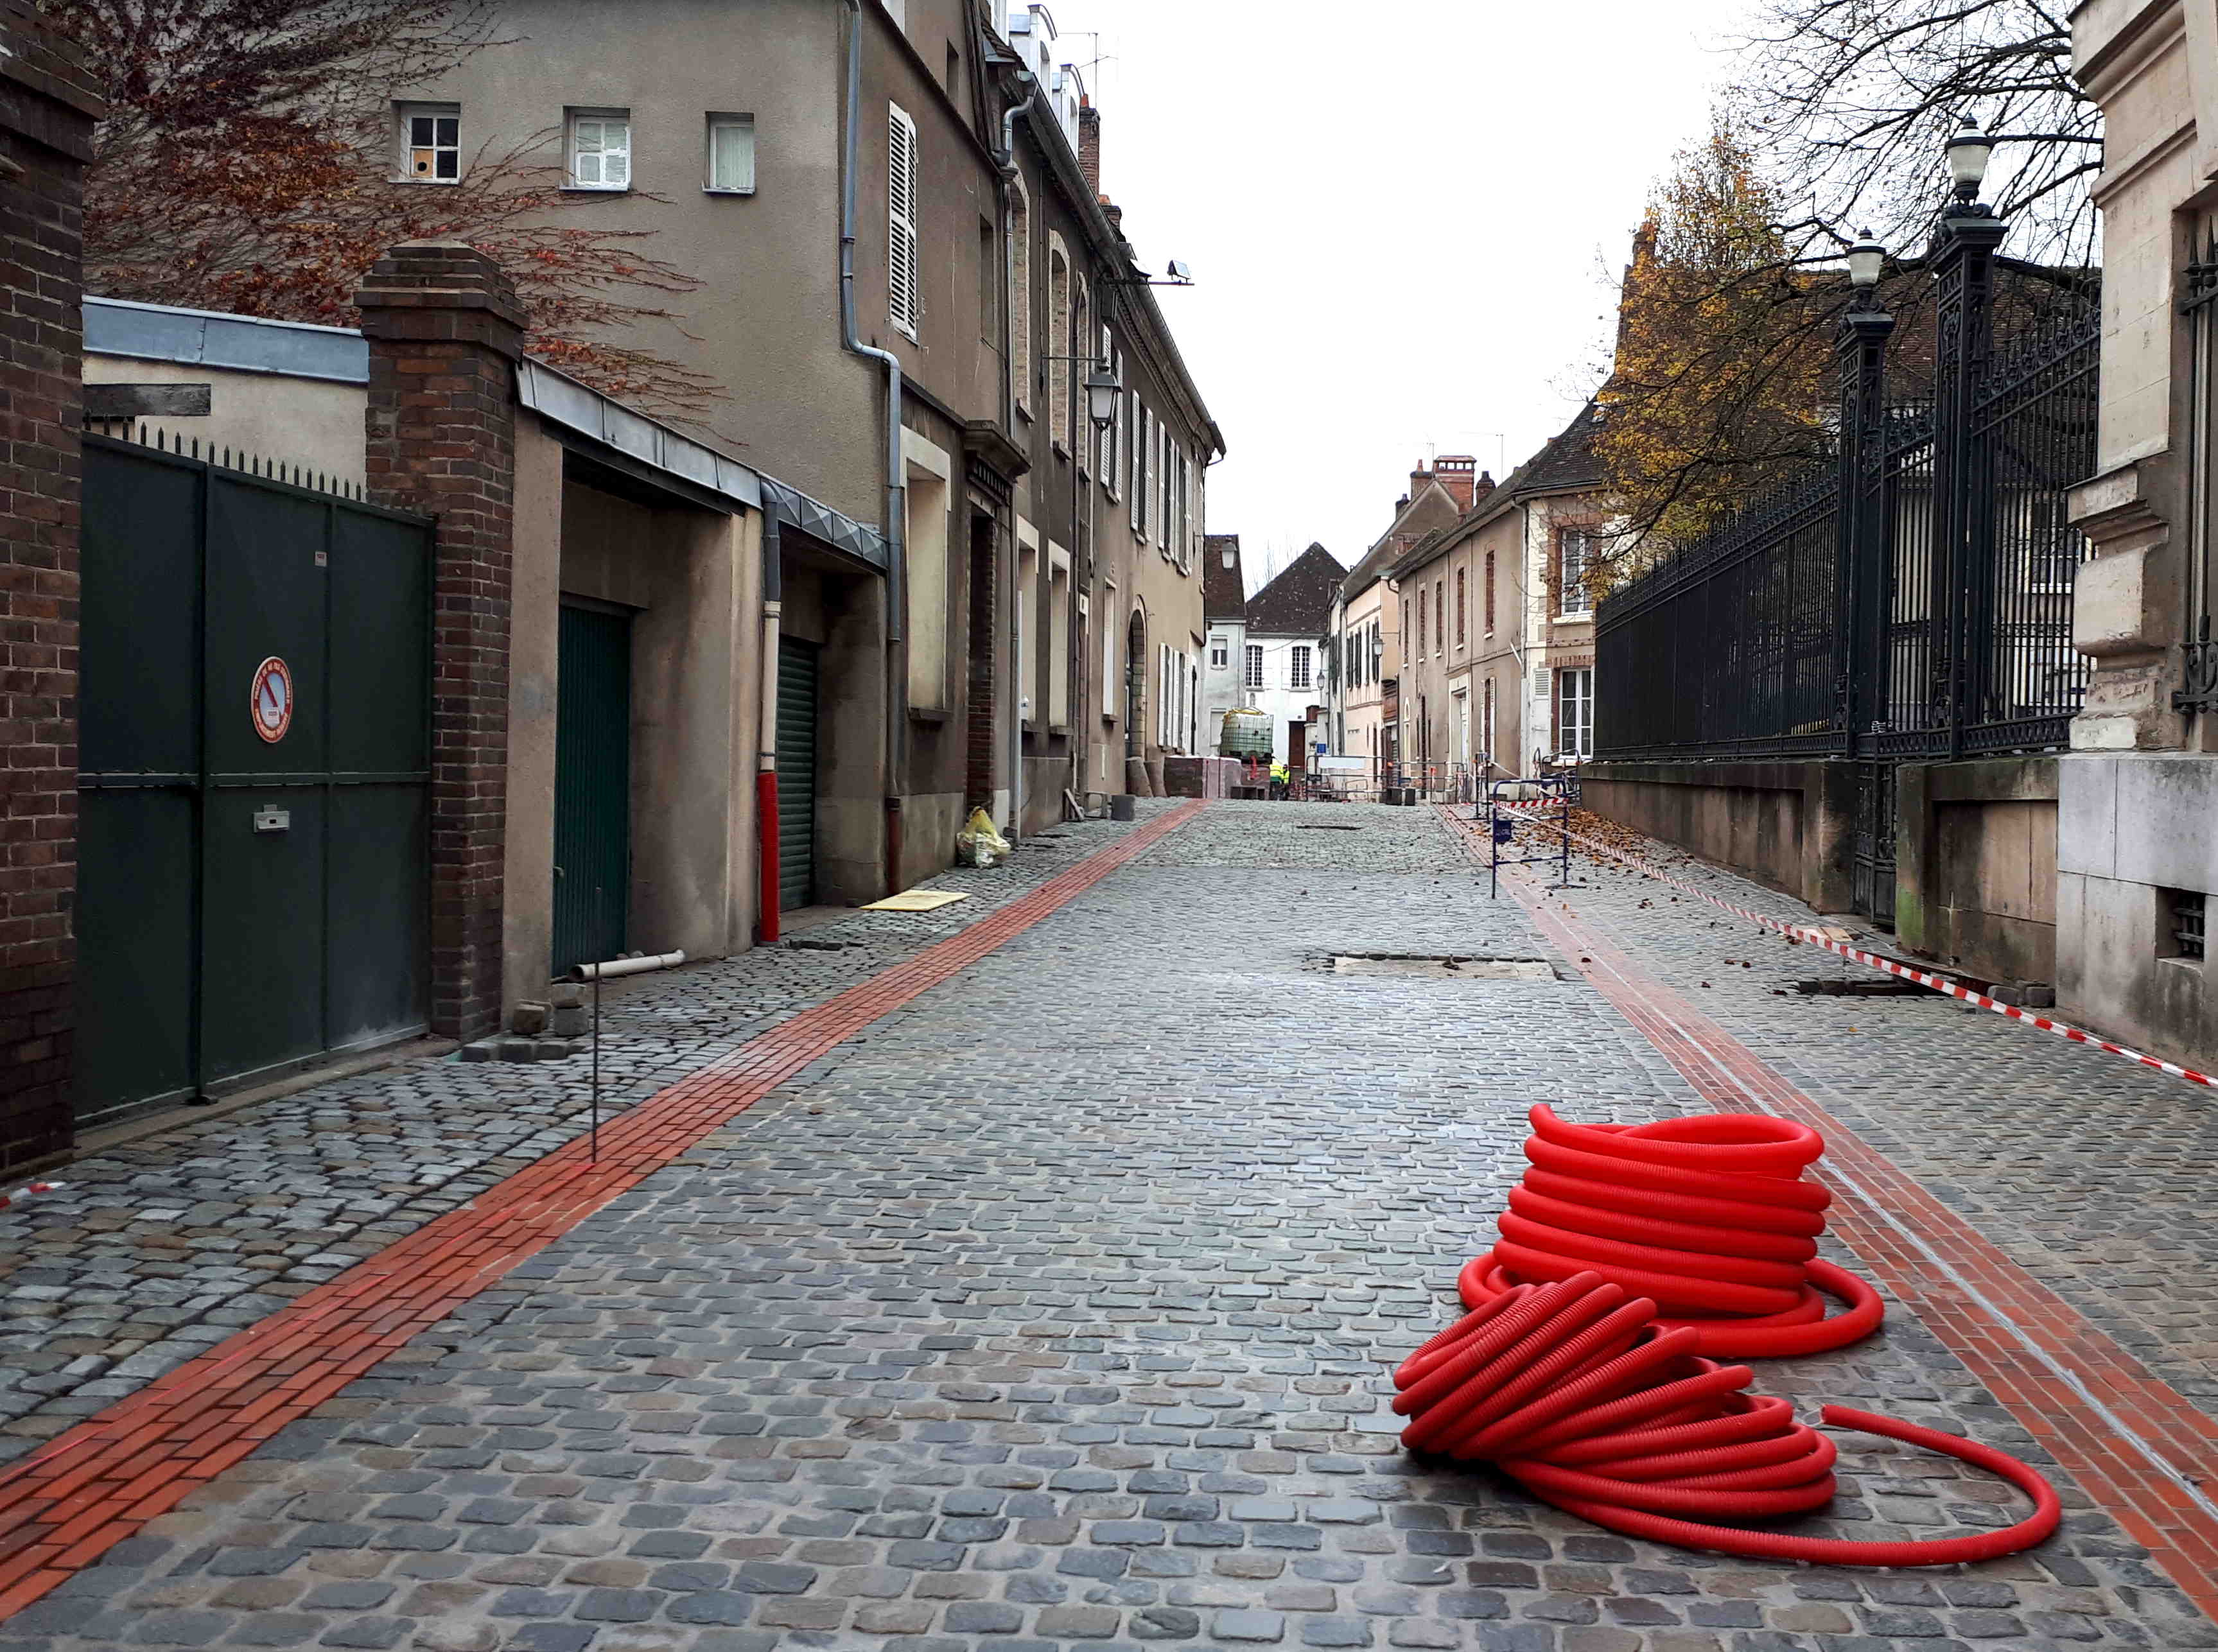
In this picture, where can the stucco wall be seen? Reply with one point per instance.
(2134, 829)
(766, 323)
(311, 423)
(1789, 825)
(1975, 856)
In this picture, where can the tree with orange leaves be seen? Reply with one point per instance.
(249, 165)
(1719, 385)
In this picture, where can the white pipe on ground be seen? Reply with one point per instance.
(615, 967)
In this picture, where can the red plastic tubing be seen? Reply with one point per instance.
(1576, 1389)
(1707, 1215)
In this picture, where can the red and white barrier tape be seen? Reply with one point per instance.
(1885, 965)
(27, 1189)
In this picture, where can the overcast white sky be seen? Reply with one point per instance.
(1398, 215)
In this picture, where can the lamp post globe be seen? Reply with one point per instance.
(1967, 158)
(1865, 258)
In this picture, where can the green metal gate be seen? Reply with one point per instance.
(593, 787)
(254, 770)
(796, 773)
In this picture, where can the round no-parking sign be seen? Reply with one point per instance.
(273, 699)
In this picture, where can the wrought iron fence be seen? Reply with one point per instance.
(1931, 617)
(1731, 647)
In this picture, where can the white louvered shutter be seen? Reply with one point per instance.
(904, 298)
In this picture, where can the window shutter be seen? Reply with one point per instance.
(903, 300)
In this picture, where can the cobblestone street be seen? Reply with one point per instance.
(1057, 1306)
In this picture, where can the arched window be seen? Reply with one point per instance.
(1021, 294)
(1058, 341)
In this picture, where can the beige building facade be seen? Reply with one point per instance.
(1367, 623)
(2137, 859)
(908, 275)
(1498, 677)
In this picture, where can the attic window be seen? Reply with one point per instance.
(1228, 556)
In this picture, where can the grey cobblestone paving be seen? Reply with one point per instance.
(154, 1251)
(1058, 1310)
(2097, 1176)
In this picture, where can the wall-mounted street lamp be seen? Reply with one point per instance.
(1102, 390)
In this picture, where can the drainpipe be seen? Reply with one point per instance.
(1006, 161)
(895, 747)
(767, 842)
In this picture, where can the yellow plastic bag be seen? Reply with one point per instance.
(978, 843)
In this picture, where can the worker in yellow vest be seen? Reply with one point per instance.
(1279, 778)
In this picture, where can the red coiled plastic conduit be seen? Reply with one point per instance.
(1564, 1376)
(1707, 1214)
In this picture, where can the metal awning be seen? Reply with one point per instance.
(648, 444)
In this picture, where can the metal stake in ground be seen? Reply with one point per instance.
(599, 915)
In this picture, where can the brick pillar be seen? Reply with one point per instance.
(445, 331)
(48, 106)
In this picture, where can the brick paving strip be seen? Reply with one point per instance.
(2134, 1446)
(87, 1490)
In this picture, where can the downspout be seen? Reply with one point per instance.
(1007, 162)
(766, 821)
(895, 745)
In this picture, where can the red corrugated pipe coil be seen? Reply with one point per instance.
(1627, 1258)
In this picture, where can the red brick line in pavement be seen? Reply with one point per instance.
(86, 1490)
(2129, 1439)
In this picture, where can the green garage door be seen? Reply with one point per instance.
(593, 787)
(796, 773)
(254, 766)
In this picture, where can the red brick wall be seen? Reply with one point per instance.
(46, 110)
(445, 332)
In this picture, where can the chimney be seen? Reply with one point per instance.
(1089, 146)
(1458, 473)
(1481, 487)
(1114, 212)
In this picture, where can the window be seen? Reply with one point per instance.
(1143, 427)
(600, 150)
(1058, 342)
(731, 155)
(1111, 678)
(1220, 653)
(904, 272)
(1575, 712)
(1573, 561)
(1110, 441)
(1163, 482)
(1420, 607)
(1440, 615)
(1489, 593)
(1020, 295)
(926, 527)
(1297, 667)
(2183, 919)
(1486, 719)
(1058, 638)
(1027, 651)
(1459, 608)
(1252, 678)
(432, 139)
